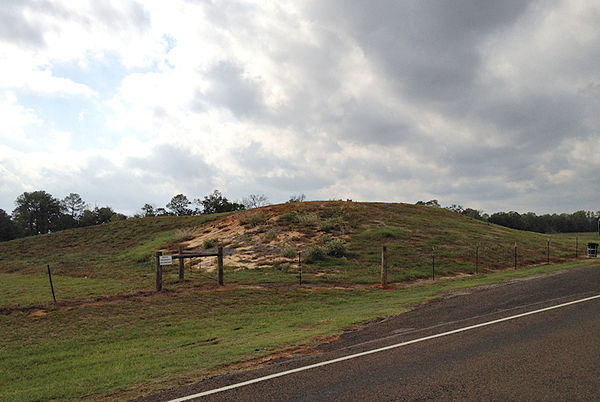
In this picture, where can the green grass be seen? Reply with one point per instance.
(128, 347)
(34, 289)
(91, 261)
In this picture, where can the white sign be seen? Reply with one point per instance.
(166, 260)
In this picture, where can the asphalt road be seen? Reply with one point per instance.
(551, 355)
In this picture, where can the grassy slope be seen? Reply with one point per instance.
(410, 232)
(86, 262)
(126, 346)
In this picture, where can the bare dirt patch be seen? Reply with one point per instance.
(38, 313)
(250, 245)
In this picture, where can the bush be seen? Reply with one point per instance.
(289, 252)
(285, 267)
(314, 253)
(308, 219)
(209, 243)
(326, 239)
(330, 224)
(255, 219)
(185, 234)
(336, 248)
(270, 236)
(289, 217)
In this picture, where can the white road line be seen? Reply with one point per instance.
(369, 352)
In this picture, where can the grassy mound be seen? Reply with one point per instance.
(340, 244)
(111, 337)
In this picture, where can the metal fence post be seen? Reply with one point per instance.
(299, 268)
(51, 285)
(433, 263)
(477, 259)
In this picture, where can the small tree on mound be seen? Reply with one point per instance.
(179, 205)
(215, 203)
(255, 201)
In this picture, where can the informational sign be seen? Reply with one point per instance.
(166, 260)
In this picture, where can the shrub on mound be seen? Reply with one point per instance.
(315, 253)
(288, 252)
(336, 248)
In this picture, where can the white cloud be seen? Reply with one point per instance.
(16, 119)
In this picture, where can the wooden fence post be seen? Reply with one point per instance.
(548, 253)
(220, 265)
(384, 266)
(515, 255)
(181, 272)
(576, 246)
(158, 272)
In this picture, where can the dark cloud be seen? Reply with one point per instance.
(231, 90)
(427, 50)
(133, 15)
(261, 162)
(172, 163)
(366, 122)
(15, 28)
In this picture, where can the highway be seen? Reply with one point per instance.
(533, 339)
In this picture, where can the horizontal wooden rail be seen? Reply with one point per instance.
(193, 255)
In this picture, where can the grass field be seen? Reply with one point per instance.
(112, 337)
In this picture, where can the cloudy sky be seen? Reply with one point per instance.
(492, 104)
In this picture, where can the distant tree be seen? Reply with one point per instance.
(97, 216)
(8, 228)
(87, 218)
(297, 198)
(511, 219)
(580, 221)
(162, 212)
(37, 212)
(117, 216)
(216, 203)
(148, 210)
(430, 203)
(74, 205)
(475, 214)
(179, 205)
(456, 208)
(103, 215)
(255, 201)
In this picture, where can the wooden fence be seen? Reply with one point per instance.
(162, 260)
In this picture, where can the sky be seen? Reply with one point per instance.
(493, 105)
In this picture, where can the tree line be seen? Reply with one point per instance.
(38, 212)
(580, 221)
(181, 205)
